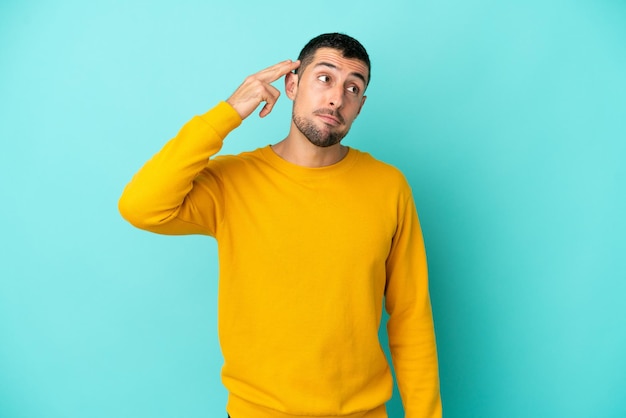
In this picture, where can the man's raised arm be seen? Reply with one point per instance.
(168, 195)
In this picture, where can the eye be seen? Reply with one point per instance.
(354, 89)
(324, 78)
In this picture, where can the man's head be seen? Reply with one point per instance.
(328, 88)
(347, 45)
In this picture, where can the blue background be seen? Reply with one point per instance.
(508, 118)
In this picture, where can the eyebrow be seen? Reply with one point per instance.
(333, 66)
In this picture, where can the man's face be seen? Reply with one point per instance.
(328, 96)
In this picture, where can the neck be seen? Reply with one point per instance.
(297, 149)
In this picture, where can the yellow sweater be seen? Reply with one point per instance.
(306, 256)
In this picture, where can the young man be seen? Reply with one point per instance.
(311, 236)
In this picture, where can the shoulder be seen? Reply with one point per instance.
(236, 161)
(380, 171)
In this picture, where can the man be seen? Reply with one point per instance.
(311, 236)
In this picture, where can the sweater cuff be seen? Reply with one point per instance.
(222, 118)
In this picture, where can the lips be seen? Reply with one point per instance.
(331, 120)
(329, 116)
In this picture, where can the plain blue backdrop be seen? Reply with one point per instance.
(508, 119)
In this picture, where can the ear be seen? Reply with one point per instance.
(362, 103)
(291, 85)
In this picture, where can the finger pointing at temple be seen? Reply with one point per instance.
(257, 88)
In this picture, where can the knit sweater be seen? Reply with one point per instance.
(307, 256)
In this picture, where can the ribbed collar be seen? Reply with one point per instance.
(308, 173)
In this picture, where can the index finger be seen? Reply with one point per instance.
(276, 71)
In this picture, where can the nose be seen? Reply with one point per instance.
(335, 98)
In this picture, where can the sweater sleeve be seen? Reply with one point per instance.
(410, 326)
(175, 192)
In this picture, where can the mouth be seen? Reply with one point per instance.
(329, 117)
(329, 120)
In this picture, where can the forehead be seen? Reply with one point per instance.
(333, 57)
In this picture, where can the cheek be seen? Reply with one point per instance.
(303, 100)
(353, 110)
(298, 106)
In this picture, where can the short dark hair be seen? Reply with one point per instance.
(347, 45)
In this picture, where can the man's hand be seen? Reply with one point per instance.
(258, 88)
